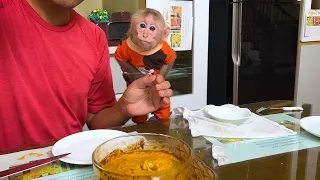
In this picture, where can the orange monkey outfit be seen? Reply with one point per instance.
(147, 62)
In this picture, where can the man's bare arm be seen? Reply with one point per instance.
(108, 117)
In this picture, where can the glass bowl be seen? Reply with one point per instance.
(145, 142)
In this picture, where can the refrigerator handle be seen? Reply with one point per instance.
(236, 33)
(236, 47)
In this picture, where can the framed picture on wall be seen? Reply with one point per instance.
(310, 24)
(179, 17)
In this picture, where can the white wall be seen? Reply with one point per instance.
(308, 73)
(118, 82)
(87, 6)
(123, 5)
(308, 76)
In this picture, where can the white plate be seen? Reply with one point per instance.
(311, 124)
(229, 114)
(81, 145)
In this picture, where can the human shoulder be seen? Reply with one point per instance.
(4, 3)
(92, 31)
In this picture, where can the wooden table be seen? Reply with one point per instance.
(298, 165)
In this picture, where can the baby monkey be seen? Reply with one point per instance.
(146, 52)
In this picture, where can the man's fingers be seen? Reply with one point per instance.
(159, 79)
(143, 82)
(165, 101)
(165, 93)
(164, 85)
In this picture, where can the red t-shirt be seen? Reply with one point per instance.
(50, 77)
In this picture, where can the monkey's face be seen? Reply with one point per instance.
(148, 33)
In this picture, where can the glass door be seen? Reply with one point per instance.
(265, 46)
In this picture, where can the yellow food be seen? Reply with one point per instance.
(30, 154)
(140, 163)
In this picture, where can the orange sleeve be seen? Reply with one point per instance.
(122, 51)
(171, 54)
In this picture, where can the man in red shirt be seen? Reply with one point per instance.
(55, 76)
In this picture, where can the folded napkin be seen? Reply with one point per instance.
(201, 123)
(218, 154)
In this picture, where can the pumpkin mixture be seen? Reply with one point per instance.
(140, 163)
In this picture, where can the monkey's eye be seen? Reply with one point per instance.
(143, 25)
(152, 28)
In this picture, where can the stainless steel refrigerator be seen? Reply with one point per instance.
(252, 50)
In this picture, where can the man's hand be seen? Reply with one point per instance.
(145, 95)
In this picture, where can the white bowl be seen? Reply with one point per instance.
(311, 124)
(229, 114)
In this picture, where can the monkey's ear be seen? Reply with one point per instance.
(166, 33)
